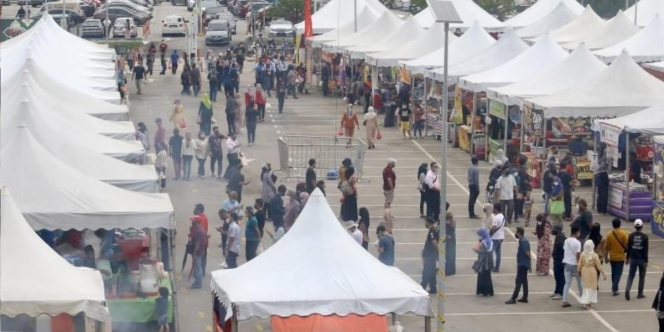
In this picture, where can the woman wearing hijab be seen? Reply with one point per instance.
(484, 263)
(292, 210)
(658, 304)
(450, 244)
(487, 219)
(421, 175)
(363, 225)
(543, 232)
(589, 266)
(238, 111)
(557, 206)
(349, 201)
(304, 197)
(231, 109)
(348, 122)
(260, 102)
(204, 117)
(185, 80)
(371, 127)
(599, 242)
(177, 117)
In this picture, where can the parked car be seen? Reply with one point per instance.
(174, 25)
(205, 4)
(33, 3)
(281, 28)
(405, 6)
(92, 28)
(74, 17)
(88, 9)
(143, 3)
(118, 29)
(249, 7)
(179, 2)
(226, 15)
(6, 3)
(218, 33)
(117, 12)
(128, 5)
(235, 8)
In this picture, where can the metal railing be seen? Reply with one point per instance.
(295, 152)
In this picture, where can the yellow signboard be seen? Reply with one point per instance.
(583, 171)
(458, 105)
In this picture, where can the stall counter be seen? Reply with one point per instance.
(139, 309)
(640, 201)
(464, 138)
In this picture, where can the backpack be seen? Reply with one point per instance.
(345, 188)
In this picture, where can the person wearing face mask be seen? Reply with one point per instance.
(494, 175)
(523, 256)
(505, 189)
(432, 188)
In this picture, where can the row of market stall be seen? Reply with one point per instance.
(534, 84)
(70, 172)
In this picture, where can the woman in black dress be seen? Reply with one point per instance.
(349, 204)
(364, 227)
(485, 260)
(450, 245)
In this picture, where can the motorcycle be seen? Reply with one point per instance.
(253, 49)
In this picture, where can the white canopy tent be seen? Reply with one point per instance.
(541, 9)
(386, 24)
(36, 280)
(42, 120)
(338, 13)
(469, 12)
(474, 41)
(585, 25)
(648, 122)
(572, 72)
(89, 104)
(505, 49)
(54, 196)
(431, 40)
(645, 11)
(623, 88)
(616, 30)
(644, 46)
(316, 252)
(557, 18)
(425, 18)
(24, 89)
(364, 20)
(543, 55)
(410, 30)
(658, 66)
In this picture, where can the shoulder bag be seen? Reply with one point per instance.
(493, 231)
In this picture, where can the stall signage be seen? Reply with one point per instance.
(458, 105)
(583, 171)
(616, 198)
(497, 109)
(657, 221)
(609, 134)
(534, 120)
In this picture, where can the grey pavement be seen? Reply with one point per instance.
(317, 116)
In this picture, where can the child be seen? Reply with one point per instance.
(162, 309)
(321, 185)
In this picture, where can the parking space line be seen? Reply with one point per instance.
(520, 313)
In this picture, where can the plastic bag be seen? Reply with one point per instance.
(396, 328)
(379, 135)
(340, 132)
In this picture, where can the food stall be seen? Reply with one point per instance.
(657, 221)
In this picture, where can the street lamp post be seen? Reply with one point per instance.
(443, 12)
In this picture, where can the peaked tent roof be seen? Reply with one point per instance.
(410, 30)
(648, 121)
(36, 280)
(338, 13)
(540, 57)
(53, 196)
(387, 23)
(316, 252)
(469, 12)
(473, 42)
(432, 39)
(557, 18)
(506, 48)
(623, 88)
(615, 31)
(425, 18)
(647, 10)
(574, 71)
(644, 46)
(364, 19)
(658, 66)
(539, 10)
(581, 27)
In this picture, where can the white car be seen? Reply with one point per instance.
(174, 25)
(120, 26)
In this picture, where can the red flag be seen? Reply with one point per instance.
(308, 27)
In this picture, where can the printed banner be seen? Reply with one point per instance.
(657, 221)
(14, 27)
(571, 126)
(458, 105)
(308, 26)
(404, 75)
(497, 109)
(609, 134)
(298, 40)
(583, 171)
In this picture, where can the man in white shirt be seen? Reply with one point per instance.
(572, 249)
(505, 189)
(233, 147)
(355, 232)
(232, 249)
(498, 234)
(432, 191)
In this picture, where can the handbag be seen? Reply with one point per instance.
(340, 132)
(493, 231)
(476, 266)
(183, 124)
(198, 118)
(557, 207)
(379, 135)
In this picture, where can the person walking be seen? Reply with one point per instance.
(348, 123)
(599, 242)
(251, 233)
(199, 243)
(616, 247)
(637, 258)
(505, 189)
(277, 210)
(473, 186)
(138, 75)
(418, 120)
(213, 80)
(232, 249)
(602, 181)
(405, 118)
(523, 256)
(188, 151)
(572, 247)
(371, 127)
(175, 152)
(658, 304)
(177, 116)
(547, 184)
(385, 246)
(558, 255)
(430, 257)
(543, 233)
(566, 180)
(421, 175)
(162, 59)
(432, 187)
(260, 102)
(584, 220)
(291, 81)
(497, 232)
(233, 155)
(348, 189)
(195, 79)
(268, 189)
(251, 121)
(159, 133)
(205, 112)
(325, 74)
(484, 264)
(363, 225)
(281, 94)
(556, 206)
(450, 244)
(239, 112)
(201, 152)
(389, 182)
(216, 152)
(589, 267)
(310, 176)
(175, 60)
(185, 80)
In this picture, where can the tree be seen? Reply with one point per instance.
(607, 8)
(501, 9)
(416, 6)
(292, 10)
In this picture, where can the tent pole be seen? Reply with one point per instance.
(427, 324)
(522, 133)
(596, 155)
(234, 321)
(627, 171)
(425, 97)
(394, 319)
(472, 125)
(546, 154)
(442, 233)
(507, 128)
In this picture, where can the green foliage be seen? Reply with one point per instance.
(607, 8)
(501, 9)
(292, 10)
(416, 6)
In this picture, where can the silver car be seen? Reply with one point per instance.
(282, 28)
(218, 33)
